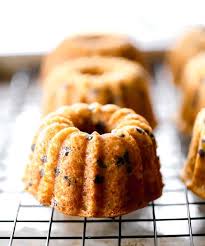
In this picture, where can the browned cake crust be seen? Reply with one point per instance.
(193, 173)
(94, 160)
(193, 90)
(190, 44)
(89, 45)
(99, 79)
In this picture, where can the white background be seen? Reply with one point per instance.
(37, 26)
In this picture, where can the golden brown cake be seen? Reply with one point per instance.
(193, 173)
(192, 93)
(94, 160)
(99, 79)
(190, 44)
(89, 45)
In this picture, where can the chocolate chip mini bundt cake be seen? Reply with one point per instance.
(193, 173)
(107, 80)
(190, 44)
(89, 45)
(193, 92)
(94, 160)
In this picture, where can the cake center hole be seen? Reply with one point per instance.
(89, 127)
(92, 71)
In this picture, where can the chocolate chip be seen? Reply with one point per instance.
(126, 157)
(89, 137)
(69, 181)
(140, 130)
(33, 147)
(201, 153)
(30, 184)
(122, 135)
(122, 160)
(99, 179)
(57, 171)
(44, 158)
(150, 134)
(101, 164)
(129, 169)
(66, 150)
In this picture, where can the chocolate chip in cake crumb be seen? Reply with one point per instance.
(66, 150)
(101, 164)
(126, 157)
(150, 134)
(129, 169)
(122, 135)
(57, 171)
(69, 180)
(33, 147)
(30, 184)
(89, 137)
(44, 158)
(201, 153)
(99, 179)
(140, 130)
(122, 160)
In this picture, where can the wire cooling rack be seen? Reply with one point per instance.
(177, 218)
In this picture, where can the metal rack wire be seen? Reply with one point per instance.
(177, 214)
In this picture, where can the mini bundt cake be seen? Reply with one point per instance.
(193, 92)
(89, 45)
(93, 160)
(185, 48)
(107, 80)
(193, 173)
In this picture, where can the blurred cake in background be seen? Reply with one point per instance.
(193, 173)
(107, 80)
(89, 45)
(193, 92)
(187, 46)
